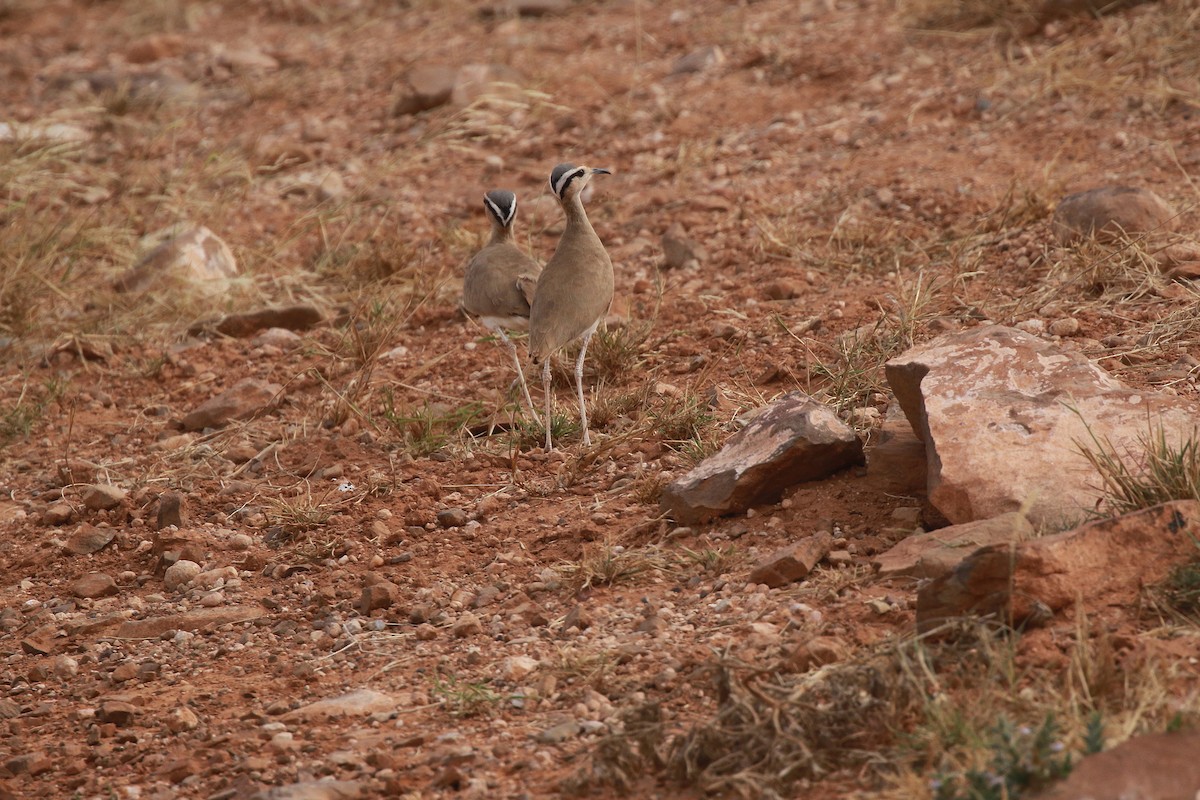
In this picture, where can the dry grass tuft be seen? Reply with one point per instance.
(771, 731)
(1161, 470)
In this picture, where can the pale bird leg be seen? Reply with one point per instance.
(549, 413)
(512, 351)
(587, 440)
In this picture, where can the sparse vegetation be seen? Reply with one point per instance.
(431, 426)
(1160, 471)
(463, 698)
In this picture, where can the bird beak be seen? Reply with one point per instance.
(598, 171)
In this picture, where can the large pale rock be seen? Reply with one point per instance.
(185, 254)
(931, 555)
(1110, 212)
(1102, 564)
(247, 398)
(793, 440)
(1005, 417)
(1157, 766)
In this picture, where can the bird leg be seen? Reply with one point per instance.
(512, 351)
(587, 440)
(549, 413)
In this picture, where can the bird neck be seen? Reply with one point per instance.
(501, 234)
(576, 216)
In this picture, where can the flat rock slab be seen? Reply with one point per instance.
(933, 554)
(793, 440)
(194, 620)
(1101, 564)
(358, 703)
(1157, 766)
(1005, 417)
(1111, 211)
(245, 399)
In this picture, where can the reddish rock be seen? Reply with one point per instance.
(196, 619)
(794, 562)
(896, 456)
(423, 88)
(1111, 211)
(247, 398)
(376, 596)
(93, 585)
(1004, 416)
(292, 318)
(1102, 564)
(89, 539)
(116, 712)
(931, 555)
(103, 496)
(793, 440)
(1156, 766)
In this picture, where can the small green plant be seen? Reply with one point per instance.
(685, 424)
(18, 419)
(465, 698)
(1022, 758)
(431, 426)
(532, 433)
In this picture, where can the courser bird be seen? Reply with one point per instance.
(574, 291)
(499, 281)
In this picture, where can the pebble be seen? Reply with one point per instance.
(452, 518)
(1068, 326)
(179, 573)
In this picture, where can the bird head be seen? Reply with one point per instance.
(501, 206)
(568, 180)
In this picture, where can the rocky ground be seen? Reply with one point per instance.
(317, 551)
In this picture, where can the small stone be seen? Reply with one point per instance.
(377, 596)
(170, 510)
(65, 667)
(213, 599)
(557, 734)
(1064, 327)
(182, 719)
(782, 289)
(879, 606)
(467, 624)
(126, 671)
(57, 514)
(179, 574)
(840, 558)
(116, 712)
(817, 652)
(89, 539)
(679, 250)
(247, 398)
(101, 497)
(452, 518)
(794, 562)
(516, 668)
(94, 584)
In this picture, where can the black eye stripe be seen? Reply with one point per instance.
(565, 181)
